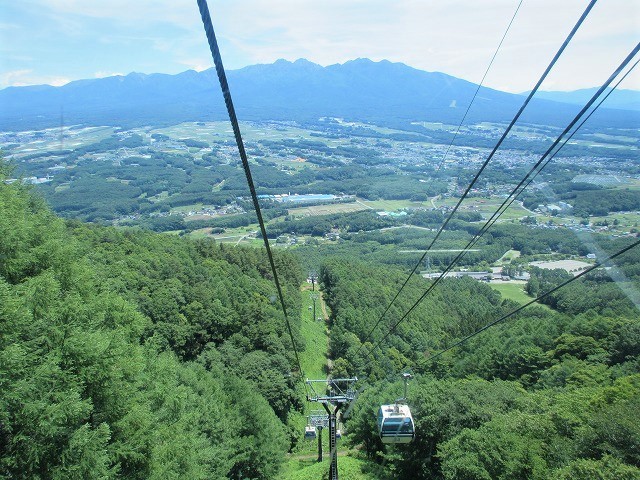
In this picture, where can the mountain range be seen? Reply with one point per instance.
(386, 93)
(620, 99)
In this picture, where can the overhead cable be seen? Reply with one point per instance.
(487, 225)
(522, 185)
(222, 77)
(475, 94)
(486, 162)
(537, 299)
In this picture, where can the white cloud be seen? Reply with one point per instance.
(55, 81)
(457, 37)
(13, 78)
(179, 12)
(5, 27)
(21, 78)
(102, 74)
(197, 64)
(454, 36)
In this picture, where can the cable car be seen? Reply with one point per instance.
(309, 432)
(395, 423)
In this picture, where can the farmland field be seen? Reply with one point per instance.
(568, 265)
(327, 209)
(486, 207)
(217, 131)
(512, 291)
(392, 205)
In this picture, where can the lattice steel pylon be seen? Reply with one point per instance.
(337, 393)
(318, 419)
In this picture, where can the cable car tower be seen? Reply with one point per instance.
(317, 420)
(337, 393)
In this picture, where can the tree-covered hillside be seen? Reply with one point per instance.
(129, 354)
(125, 354)
(550, 393)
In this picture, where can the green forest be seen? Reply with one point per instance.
(127, 354)
(550, 393)
(130, 354)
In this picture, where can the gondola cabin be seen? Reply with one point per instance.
(309, 432)
(395, 424)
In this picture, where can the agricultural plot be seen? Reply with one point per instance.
(515, 292)
(486, 207)
(219, 131)
(328, 209)
(508, 256)
(618, 222)
(393, 205)
(240, 235)
(571, 266)
(602, 180)
(183, 209)
(52, 140)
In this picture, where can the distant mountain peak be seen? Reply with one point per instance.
(361, 89)
(618, 99)
(359, 60)
(304, 61)
(368, 62)
(135, 75)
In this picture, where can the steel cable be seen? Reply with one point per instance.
(222, 77)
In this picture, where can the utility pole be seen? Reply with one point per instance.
(314, 297)
(313, 275)
(339, 392)
(333, 450)
(319, 420)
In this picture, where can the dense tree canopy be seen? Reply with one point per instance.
(126, 354)
(548, 394)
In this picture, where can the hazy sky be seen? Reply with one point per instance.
(56, 41)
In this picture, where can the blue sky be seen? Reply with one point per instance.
(56, 41)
